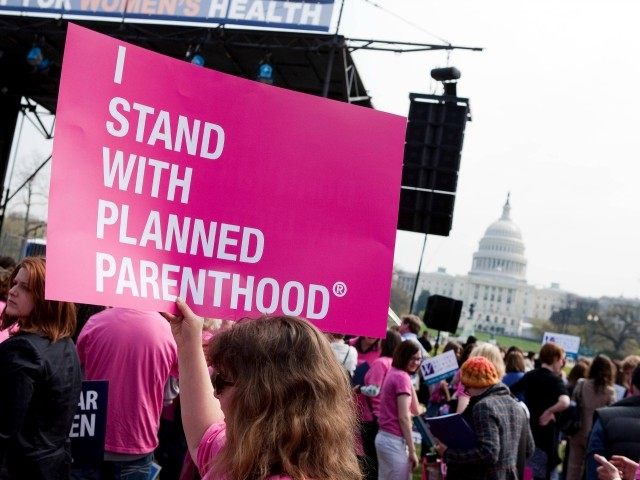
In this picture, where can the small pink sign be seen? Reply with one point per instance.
(169, 180)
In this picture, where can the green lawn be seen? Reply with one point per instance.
(525, 344)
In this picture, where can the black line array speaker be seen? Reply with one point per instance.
(443, 313)
(433, 147)
(427, 212)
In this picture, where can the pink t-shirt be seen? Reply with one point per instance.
(369, 356)
(459, 387)
(4, 334)
(136, 353)
(396, 383)
(375, 376)
(210, 446)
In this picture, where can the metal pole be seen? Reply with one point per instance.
(3, 209)
(332, 54)
(327, 78)
(415, 285)
(28, 179)
(340, 16)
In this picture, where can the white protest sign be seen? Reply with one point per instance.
(439, 367)
(570, 343)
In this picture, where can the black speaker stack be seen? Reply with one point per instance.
(443, 313)
(433, 147)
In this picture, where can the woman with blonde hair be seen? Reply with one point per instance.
(280, 406)
(491, 353)
(40, 377)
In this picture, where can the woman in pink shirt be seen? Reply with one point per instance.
(373, 380)
(368, 348)
(280, 406)
(394, 444)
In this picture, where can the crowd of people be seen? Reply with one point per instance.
(274, 398)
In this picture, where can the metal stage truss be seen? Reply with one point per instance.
(313, 63)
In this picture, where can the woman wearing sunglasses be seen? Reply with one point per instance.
(280, 406)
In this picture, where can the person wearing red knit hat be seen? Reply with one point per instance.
(500, 425)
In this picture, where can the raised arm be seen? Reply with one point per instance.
(200, 409)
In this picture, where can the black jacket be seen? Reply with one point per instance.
(40, 383)
(621, 427)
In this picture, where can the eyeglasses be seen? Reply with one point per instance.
(220, 383)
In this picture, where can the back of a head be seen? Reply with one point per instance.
(601, 372)
(514, 348)
(630, 362)
(514, 362)
(390, 343)
(455, 346)
(635, 380)
(579, 370)
(491, 353)
(550, 353)
(479, 372)
(289, 392)
(8, 263)
(466, 352)
(413, 322)
(5, 283)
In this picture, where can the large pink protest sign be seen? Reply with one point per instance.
(169, 180)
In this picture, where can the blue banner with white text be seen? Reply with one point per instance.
(277, 14)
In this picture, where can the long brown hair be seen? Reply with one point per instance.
(55, 320)
(601, 372)
(514, 362)
(292, 410)
(404, 352)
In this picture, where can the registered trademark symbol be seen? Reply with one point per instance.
(339, 289)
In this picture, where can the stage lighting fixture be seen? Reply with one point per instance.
(194, 56)
(36, 59)
(197, 59)
(265, 71)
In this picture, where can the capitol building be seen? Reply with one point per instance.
(495, 293)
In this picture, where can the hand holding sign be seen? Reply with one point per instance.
(186, 327)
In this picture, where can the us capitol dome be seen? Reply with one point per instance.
(495, 293)
(501, 250)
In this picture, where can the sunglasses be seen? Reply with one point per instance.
(220, 383)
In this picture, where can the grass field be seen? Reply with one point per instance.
(525, 344)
